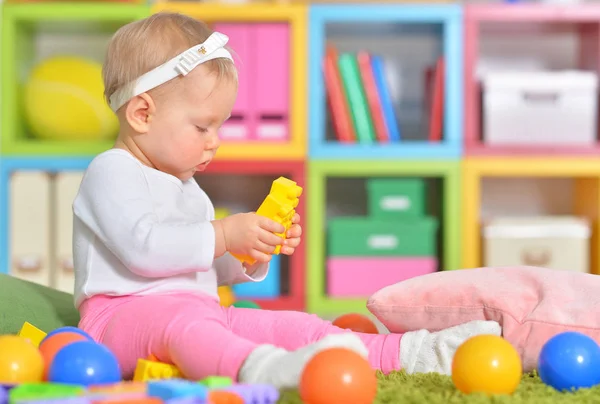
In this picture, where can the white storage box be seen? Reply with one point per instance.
(557, 242)
(540, 108)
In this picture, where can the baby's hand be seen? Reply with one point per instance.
(292, 237)
(252, 235)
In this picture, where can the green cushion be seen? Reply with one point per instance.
(44, 307)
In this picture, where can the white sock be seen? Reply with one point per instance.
(268, 364)
(424, 352)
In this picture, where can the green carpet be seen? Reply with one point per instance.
(400, 388)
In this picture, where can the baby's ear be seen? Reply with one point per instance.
(139, 112)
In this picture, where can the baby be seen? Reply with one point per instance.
(149, 254)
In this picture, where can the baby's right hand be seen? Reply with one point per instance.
(252, 235)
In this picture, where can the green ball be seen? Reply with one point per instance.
(246, 304)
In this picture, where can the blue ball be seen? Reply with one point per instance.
(67, 329)
(570, 360)
(84, 363)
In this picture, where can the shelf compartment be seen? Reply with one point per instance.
(564, 176)
(349, 28)
(296, 16)
(32, 32)
(228, 183)
(338, 189)
(526, 36)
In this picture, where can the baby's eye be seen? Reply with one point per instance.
(201, 130)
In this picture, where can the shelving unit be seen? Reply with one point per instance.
(585, 171)
(448, 173)
(443, 21)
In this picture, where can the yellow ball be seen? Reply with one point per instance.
(20, 361)
(226, 296)
(64, 101)
(486, 364)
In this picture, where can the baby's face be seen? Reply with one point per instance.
(184, 132)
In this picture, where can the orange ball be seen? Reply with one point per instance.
(54, 343)
(357, 323)
(338, 375)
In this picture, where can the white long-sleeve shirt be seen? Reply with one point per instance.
(138, 231)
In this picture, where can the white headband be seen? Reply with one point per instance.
(181, 64)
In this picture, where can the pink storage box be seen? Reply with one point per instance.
(361, 277)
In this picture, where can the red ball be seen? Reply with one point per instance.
(357, 323)
(338, 375)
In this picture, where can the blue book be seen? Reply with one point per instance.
(385, 98)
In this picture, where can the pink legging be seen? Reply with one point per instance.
(202, 338)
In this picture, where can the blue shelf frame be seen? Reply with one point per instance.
(450, 16)
(8, 165)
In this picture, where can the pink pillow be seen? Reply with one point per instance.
(531, 304)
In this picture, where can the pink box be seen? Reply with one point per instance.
(240, 126)
(360, 277)
(272, 81)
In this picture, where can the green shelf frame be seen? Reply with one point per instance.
(318, 172)
(15, 47)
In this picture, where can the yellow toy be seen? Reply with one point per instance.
(486, 364)
(20, 361)
(152, 370)
(280, 205)
(32, 333)
(64, 101)
(226, 295)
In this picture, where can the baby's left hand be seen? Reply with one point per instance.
(292, 237)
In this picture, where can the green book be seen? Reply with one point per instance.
(357, 99)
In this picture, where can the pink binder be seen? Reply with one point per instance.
(240, 126)
(271, 81)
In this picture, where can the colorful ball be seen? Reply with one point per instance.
(55, 343)
(84, 363)
(246, 304)
(357, 323)
(20, 361)
(486, 364)
(338, 375)
(570, 361)
(64, 100)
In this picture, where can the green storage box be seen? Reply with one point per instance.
(396, 198)
(364, 236)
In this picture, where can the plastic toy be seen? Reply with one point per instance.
(20, 361)
(63, 101)
(570, 361)
(486, 364)
(357, 323)
(55, 343)
(84, 363)
(85, 372)
(338, 375)
(67, 329)
(247, 304)
(280, 206)
(32, 333)
(226, 295)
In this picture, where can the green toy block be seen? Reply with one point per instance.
(216, 382)
(446, 171)
(43, 391)
(23, 24)
(246, 304)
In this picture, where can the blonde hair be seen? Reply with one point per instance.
(142, 45)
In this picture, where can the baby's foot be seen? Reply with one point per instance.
(281, 368)
(423, 351)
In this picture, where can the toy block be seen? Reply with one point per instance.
(279, 205)
(150, 370)
(32, 333)
(255, 393)
(176, 388)
(119, 388)
(129, 400)
(70, 400)
(226, 397)
(214, 382)
(43, 391)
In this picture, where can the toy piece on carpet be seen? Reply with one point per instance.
(279, 205)
(356, 322)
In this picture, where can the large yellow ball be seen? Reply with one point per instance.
(486, 364)
(20, 361)
(63, 100)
